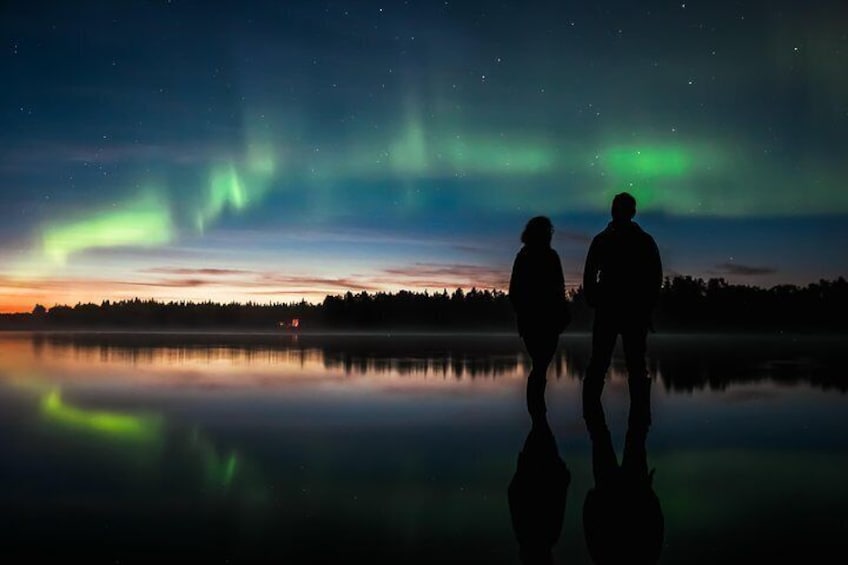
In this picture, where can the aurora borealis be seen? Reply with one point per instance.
(273, 151)
(112, 424)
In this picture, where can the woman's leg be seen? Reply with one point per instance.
(541, 349)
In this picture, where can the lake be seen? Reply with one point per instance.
(399, 448)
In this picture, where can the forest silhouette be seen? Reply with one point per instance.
(685, 304)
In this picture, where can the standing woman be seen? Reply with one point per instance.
(537, 294)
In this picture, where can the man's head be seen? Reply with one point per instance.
(623, 207)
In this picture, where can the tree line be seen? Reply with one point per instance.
(686, 304)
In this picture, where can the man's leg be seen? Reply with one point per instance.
(604, 334)
(604, 460)
(634, 341)
(634, 460)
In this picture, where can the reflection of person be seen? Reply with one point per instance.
(621, 280)
(537, 494)
(537, 294)
(622, 517)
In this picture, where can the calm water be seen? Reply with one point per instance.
(399, 449)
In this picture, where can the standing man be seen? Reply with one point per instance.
(621, 280)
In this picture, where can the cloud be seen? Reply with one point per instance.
(257, 282)
(9, 284)
(177, 283)
(296, 283)
(728, 268)
(448, 275)
(201, 271)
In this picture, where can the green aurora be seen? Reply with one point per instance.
(117, 425)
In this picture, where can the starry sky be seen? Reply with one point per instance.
(274, 151)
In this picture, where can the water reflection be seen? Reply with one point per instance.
(537, 494)
(622, 516)
(398, 449)
(688, 363)
(441, 356)
(124, 426)
(149, 436)
(681, 363)
(113, 483)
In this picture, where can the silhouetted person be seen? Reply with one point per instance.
(537, 494)
(537, 294)
(622, 516)
(621, 281)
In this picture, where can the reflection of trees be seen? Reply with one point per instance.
(437, 355)
(456, 366)
(153, 348)
(455, 356)
(687, 364)
(682, 363)
(694, 362)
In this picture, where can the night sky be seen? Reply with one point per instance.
(273, 151)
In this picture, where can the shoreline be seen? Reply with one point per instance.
(404, 332)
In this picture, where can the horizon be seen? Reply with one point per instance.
(570, 292)
(277, 154)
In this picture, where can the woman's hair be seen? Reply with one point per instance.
(538, 231)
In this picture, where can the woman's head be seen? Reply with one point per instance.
(538, 232)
